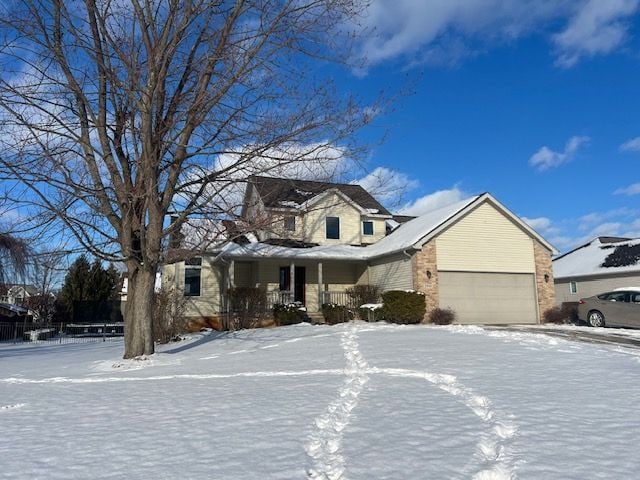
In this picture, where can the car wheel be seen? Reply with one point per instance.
(596, 319)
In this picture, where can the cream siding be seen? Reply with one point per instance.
(588, 287)
(392, 273)
(333, 205)
(485, 241)
(379, 229)
(209, 301)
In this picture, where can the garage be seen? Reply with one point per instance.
(489, 298)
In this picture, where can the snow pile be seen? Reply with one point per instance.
(353, 401)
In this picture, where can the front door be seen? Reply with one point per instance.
(299, 282)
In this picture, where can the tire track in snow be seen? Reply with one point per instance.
(324, 446)
(493, 445)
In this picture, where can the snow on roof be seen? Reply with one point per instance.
(588, 259)
(405, 237)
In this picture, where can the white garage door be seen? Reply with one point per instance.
(489, 298)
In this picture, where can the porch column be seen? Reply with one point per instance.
(232, 274)
(320, 287)
(292, 281)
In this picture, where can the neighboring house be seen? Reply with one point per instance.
(474, 256)
(601, 265)
(16, 294)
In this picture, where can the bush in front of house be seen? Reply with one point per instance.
(371, 312)
(334, 313)
(442, 316)
(566, 313)
(364, 294)
(289, 313)
(248, 305)
(169, 320)
(403, 307)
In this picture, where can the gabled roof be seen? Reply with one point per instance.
(408, 236)
(601, 256)
(290, 193)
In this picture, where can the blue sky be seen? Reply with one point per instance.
(531, 101)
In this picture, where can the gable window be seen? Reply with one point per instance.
(367, 228)
(573, 288)
(192, 277)
(333, 228)
(290, 223)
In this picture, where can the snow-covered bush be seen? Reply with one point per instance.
(403, 307)
(442, 316)
(371, 312)
(289, 313)
(334, 313)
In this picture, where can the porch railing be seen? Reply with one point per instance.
(279, 297)
(339, 298)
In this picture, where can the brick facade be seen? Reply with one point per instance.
(425, 275)
(544, 278)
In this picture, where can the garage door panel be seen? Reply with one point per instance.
(488, 298)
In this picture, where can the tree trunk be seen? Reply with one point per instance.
(138, 315)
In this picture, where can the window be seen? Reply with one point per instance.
(573, 288)
(290, 223)
(367, 228)
(333, 228)
(285, 279)
(192, 277)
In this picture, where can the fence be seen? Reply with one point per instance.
(52, 333)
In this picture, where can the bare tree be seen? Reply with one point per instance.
(115, 113)
(14, 254)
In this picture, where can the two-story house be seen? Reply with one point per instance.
(314, 240)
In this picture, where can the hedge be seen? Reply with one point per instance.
(403, 307)
(335, 313)
(289, 314)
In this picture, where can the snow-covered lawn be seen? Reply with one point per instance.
(357, 401)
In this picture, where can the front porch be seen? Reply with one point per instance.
(310, 282)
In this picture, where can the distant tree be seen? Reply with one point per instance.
(14, 253)
(102, 282)
(87, 282)
(75, 287)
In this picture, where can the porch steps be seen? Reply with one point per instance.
(315, 317)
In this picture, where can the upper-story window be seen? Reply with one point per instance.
(367, 228)
(290, 223)
(333, 227)
(192, 277)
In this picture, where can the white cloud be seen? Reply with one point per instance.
(433, 201)
(545, 158)
(633, 189)
(598, 27)
(388, 186)
(538, 223)
(631, 145)
(444, 31)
